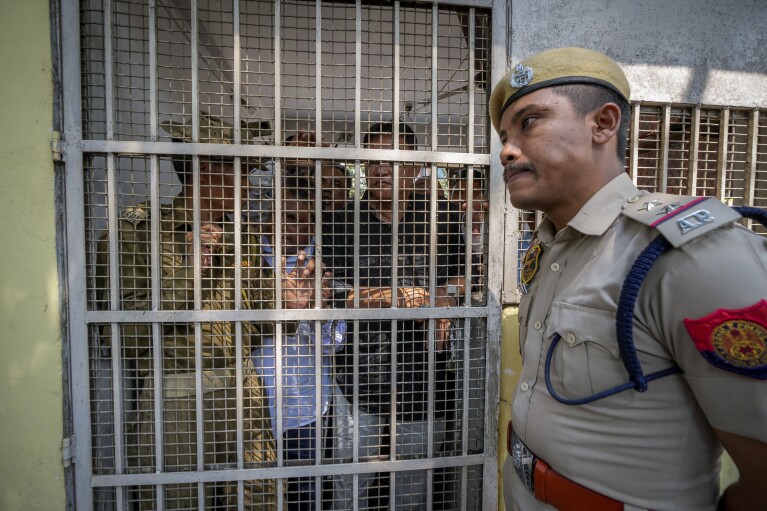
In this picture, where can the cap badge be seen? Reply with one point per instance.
(521, 76)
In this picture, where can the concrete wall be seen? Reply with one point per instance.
(690, 51)
(31, 474)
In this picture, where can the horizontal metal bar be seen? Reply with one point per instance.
(268, 151)
(462, 3)
(282, 315)
(210, 476)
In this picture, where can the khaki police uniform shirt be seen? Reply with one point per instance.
(177, 289)
(653, 450)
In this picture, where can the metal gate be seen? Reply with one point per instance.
(200, 136)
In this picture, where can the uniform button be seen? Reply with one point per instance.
(555, 267)
(524, 386)
(570, 338)
(537, 325)
(633, 198)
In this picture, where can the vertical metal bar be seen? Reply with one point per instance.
(433, 143)
(721, 167)
(357, 73)
(634, 142)
(200, 419)
(692, 183)
(152, 70)
(468, 224)
(495, 273)
(114, 300)
(113, 237)
(431, 334)
(393, 328)
(238, 291)
(751, 160)
(277, 73)
(396, 84)
(318, 72)
(472, 72)
(465, 407)
(108, 69)
(117, 395)
(195, 76)
(664, 142)
(200, 447)
(357, 191)
(158, 408)
(318, 354)
(155, 270)
(75, 251)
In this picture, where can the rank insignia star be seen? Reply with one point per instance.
(649, 206)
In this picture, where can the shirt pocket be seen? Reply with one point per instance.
(587, 359)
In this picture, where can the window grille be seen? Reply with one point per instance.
(201, 137)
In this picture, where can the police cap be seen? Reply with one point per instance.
(558, 66)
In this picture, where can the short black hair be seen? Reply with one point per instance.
(387, 128)
(586, 98)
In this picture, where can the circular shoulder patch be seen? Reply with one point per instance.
(733, 339)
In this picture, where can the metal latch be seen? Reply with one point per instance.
(67, 450)
(56, 145)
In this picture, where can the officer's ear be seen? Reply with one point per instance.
(606, 123)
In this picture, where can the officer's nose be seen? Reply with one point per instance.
(510, 152)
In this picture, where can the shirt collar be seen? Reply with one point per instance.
(599, 212)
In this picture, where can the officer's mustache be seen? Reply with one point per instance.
(515, 168)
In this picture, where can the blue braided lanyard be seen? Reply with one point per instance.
(624, 321)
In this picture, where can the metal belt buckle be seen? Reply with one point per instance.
(523, 461)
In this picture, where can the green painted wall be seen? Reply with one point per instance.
(31, 474)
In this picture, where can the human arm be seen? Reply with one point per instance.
(711, 327)
(750, 457)
(298, 283)
(382, 298)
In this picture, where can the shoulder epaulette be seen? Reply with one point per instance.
(679, 218)
(134, 214)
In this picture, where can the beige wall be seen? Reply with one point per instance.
(31, 474)
(511, 364)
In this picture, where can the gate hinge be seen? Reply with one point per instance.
(56, 145)
(67, 450)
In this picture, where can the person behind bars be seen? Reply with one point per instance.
(393, 367)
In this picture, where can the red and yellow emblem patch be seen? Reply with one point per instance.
(733, 339)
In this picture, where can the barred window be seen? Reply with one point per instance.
(285, 285)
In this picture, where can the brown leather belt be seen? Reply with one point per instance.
(552, 488)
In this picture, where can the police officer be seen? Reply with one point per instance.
(629, 412)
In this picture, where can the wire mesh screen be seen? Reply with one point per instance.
(286, 264)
